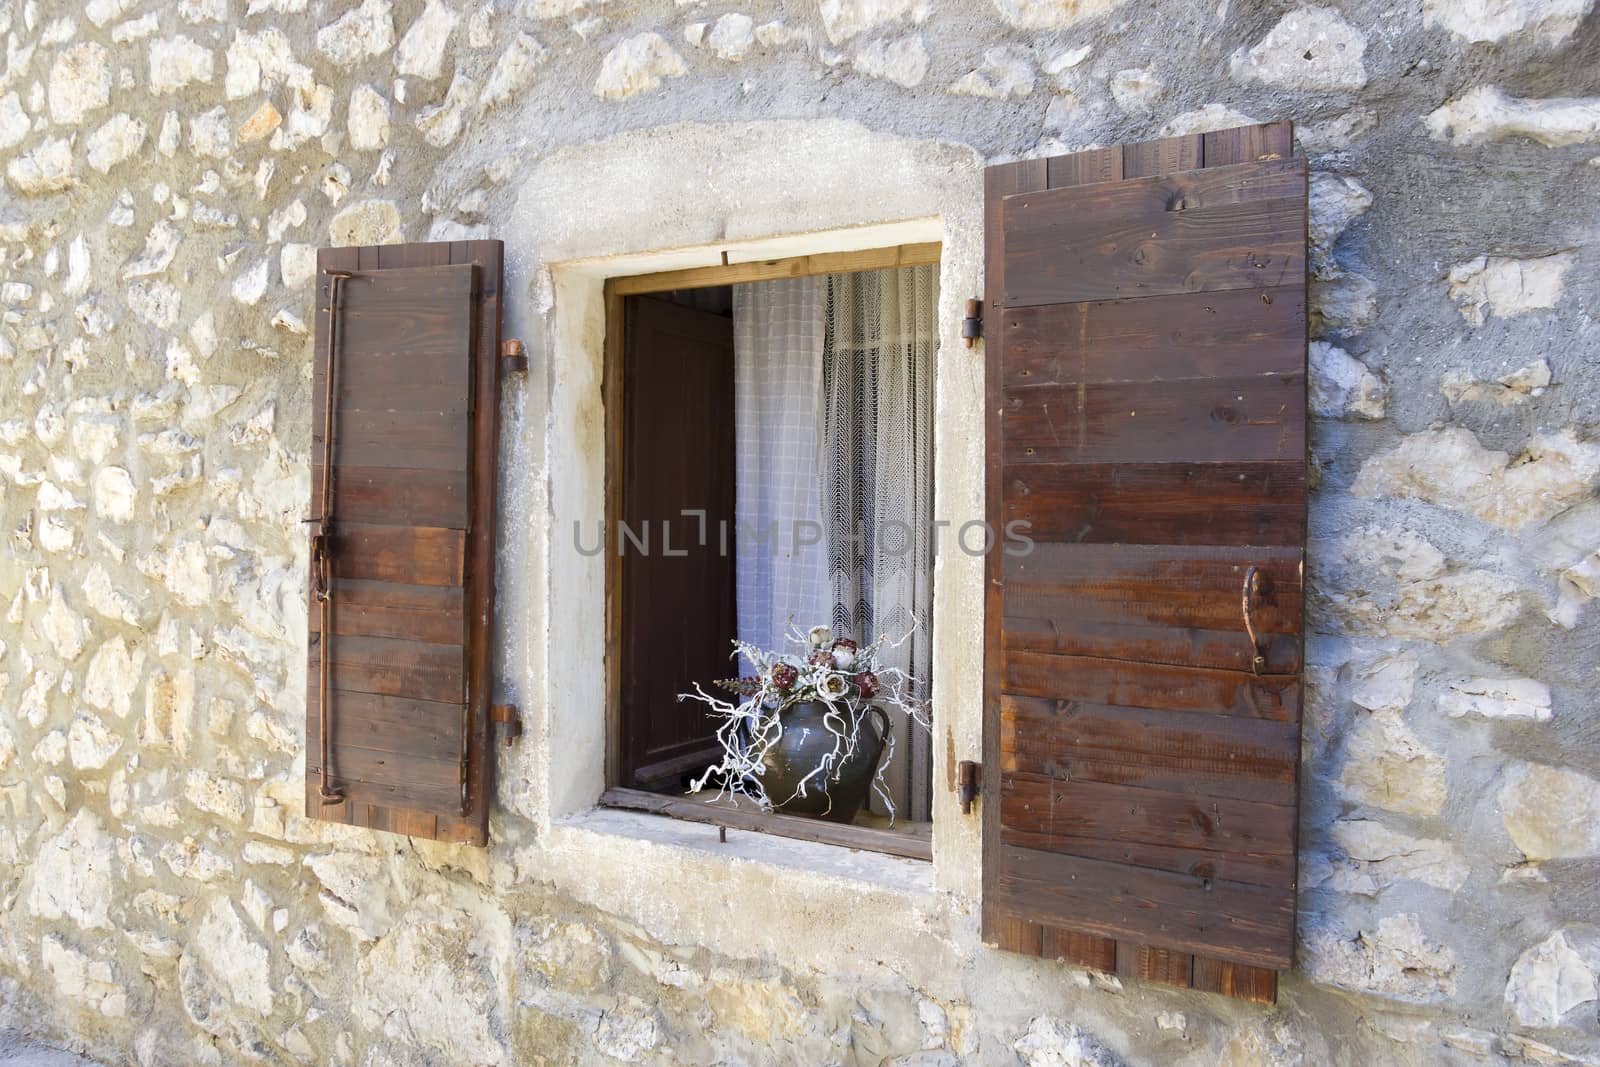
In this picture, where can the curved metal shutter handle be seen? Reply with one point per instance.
(321, 537)
(1252, 586)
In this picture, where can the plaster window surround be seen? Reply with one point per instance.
(652, 205)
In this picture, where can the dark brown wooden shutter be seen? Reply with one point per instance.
(412, 537)
(1146, 337)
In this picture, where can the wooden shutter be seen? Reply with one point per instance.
(412, 537)
(1146, 345)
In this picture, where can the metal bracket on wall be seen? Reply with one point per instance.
(513, 356)
(972, 325)
(968, 775)
(511, 716)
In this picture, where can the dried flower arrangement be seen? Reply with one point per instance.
(847, 680)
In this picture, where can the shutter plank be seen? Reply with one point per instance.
(431, 614)
(1244, 923)
(1198, 420)
(1169, 830)
(393, 667)
(1181, 337)
(1254, 503)
(1205, 755)
(1146, 395)
(1240, 227)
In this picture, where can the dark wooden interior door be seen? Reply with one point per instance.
(678, 613)
(1147, 418)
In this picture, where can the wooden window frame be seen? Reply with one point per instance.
(617, 289)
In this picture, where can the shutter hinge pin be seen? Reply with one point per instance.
(514, 356)
(972, 325)
(511, 716)
(967, 775)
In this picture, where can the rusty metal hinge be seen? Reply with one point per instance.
(513, 356)
(511, 716)
(972, 325)
(968, 775)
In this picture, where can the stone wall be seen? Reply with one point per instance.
(169, 170)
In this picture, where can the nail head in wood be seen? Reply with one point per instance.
(514, 356)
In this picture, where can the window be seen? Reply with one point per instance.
(770, 469)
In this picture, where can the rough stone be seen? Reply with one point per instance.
(370, 222)
(366, 31)
(115, 142)
(1394, 959)
(234, 959)
(368, 120)
(177, 63)
(421, 51)
(1311, 48)
(80, 977)
(1517, 387)
(1497, 698)
(112, 677)
(1551, 812)
(80, 82)
(1335, 201)
(1450, 468)
(732, 36)
(1051, 1042)
(904, 61)
(48, 167)
(512, 73)
(1053, 14)
(1549, 980)
(1547, 21)
(1503, 287)
(1576, 586)
(441, 124)
(637, 65)
(74, 875)
(1375, 857)
(1387, 766)
(844, 19)
(1342, 386)
(1488, 114)
(1004, 73)
(1136, 89)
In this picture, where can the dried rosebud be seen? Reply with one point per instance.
(820, 658)
(867, 682)
(845, 642)
(820, 636)
(834, 687)
(844, 656)
(784, 675)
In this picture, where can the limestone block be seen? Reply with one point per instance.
(169, 711)
(1502, 286)
(1387, 683)
(904, 61)
(1051, 1042)
(1575, 587)
(1387, 766)
(512, 73)
(1335, 201)
(1549, 980)
(75, 875)
(82, 978)
(1342, 386)
(366, 31)
(90, 744)
(732, 36)
(843, 19)
(1488, 114)
(216, 796)
(637, 65)
(80, 82)
(1342, 304)
(1376, 857)
(1311, 48)
(190, 860)
(1004, 73)
(65, 629)
(1546, 22)
(48, 167)
(1517, 387)
(1497, 698)
(14, 122)
(1136, 89)
(179, 62)
(421, 51)
(369, 222)
(427, 977)
(1052, 14)
(1551, 812)
(1450, 468)
(1394, 959)
(114, 494)
(355, 892)
(442, 123)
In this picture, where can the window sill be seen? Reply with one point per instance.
(603, 831)
(864, 838)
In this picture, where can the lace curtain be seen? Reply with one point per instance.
(834, 425)
(779, 329)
